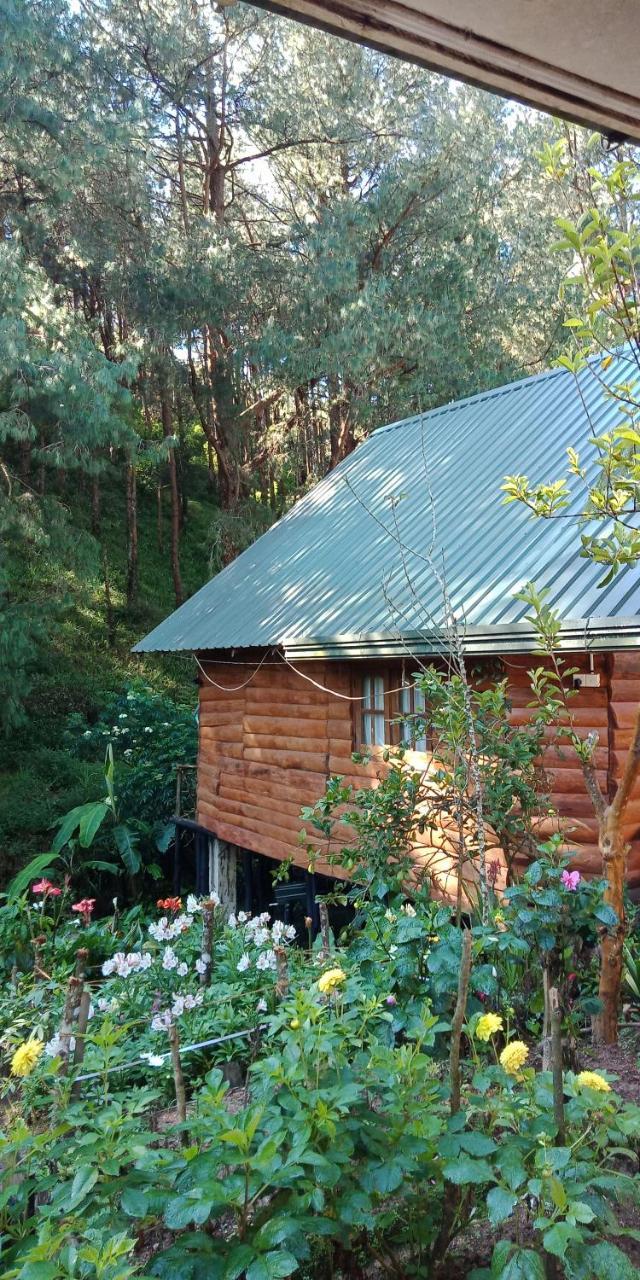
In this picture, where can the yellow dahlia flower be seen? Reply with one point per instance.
(487, 1026)
(513, 1057)
(328, 981)
(26, 1056)
(591, 1080)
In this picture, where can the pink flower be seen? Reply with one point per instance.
(571, 880)
(85, 907)
(47, 888)
(391, 1001)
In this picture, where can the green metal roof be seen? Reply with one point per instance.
(350, 569)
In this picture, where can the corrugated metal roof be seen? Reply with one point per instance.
(351, 566)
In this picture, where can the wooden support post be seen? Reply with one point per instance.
(223, 868)
(247, 868)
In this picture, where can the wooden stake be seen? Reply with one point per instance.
(282, 984)
(458, 1019)
(81, 1034)
(324, 930)
(556, 1061)
(178, 1078)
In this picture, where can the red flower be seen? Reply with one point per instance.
(47, 888)
(85, 907)
(170, 904)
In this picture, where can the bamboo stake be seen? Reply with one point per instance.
(81, 1038)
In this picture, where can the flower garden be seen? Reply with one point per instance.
(192, 1092)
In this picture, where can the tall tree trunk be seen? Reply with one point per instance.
(159, 521)
(96, 505)
(132, 532)
(167, 429)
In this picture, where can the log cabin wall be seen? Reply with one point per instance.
(266, 749)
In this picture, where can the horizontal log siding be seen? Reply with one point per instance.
(625, 691)
(268, 749)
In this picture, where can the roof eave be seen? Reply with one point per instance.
(598, 635)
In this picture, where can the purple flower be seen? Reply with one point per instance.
(391, 1001)
(571, 880)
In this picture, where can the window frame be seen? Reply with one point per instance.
(391, 709)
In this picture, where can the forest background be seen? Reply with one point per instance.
(230, 246)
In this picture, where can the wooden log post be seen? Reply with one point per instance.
(178, 1077)
(223, 862)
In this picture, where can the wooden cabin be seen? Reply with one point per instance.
(306, 644)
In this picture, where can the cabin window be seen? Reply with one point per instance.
(373, 719)
(411, 725)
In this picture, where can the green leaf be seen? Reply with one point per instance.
(135, 1202)
(500, 1205)
(465, 1170)
(82, 1184)
(239, 1258)
(477, 1144)
(606, 915)
(127, 845)
(557, 1239)
(68, 826)
(91, 821)
(37, 867)
(272, 1266)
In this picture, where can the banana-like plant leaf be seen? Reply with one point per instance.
(37, 867)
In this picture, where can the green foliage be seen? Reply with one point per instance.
(600, 244)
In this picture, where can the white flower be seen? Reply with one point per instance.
(53, 1047)
(243, 916)
(290, 932)
(232, 921)
(87, 734)
(260, 936)
(122, 716)
(266, 960)
(169, 959)
(182, 970)
(243, 963)
(201, 965)
(154, 1059)
(161, 1021)
(408, 909)
(390, 916)
(261, 1005)
(128, 752)
(177, 1007)
(147, 729)
(192, 904)
(192, 1001)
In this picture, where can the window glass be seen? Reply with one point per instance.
(373, 711)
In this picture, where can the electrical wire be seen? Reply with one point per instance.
(284, 662)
